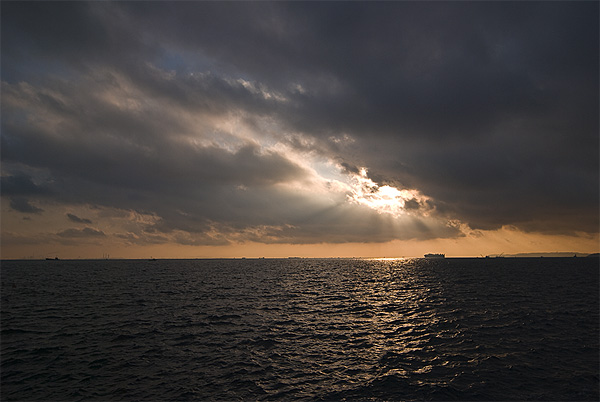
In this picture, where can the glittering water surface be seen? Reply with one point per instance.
(454, 329)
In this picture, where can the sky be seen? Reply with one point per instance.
(324, 129)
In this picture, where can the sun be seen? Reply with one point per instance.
(383, 199)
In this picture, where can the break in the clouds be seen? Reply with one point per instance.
(206, 123)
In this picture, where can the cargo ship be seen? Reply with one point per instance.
(435, 255)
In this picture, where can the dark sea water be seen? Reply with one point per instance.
(301, 329)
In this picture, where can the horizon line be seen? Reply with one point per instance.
(556, 254)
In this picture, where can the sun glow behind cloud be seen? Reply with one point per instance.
(384, 199)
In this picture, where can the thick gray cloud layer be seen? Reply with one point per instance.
(192, 112)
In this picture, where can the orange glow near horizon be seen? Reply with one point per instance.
(505, 240)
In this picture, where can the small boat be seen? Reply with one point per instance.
(52, 259)
(431, 255)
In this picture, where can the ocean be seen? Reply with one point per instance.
(300, 329)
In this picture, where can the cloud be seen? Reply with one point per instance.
(76, 219)
(81, 233)
(232, 122)
(23, 205)
(20, 185)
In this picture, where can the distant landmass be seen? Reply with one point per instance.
(555, 254)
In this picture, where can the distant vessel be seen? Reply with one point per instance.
(52, 259)
(435, 255)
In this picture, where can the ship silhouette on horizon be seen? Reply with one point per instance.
(433, 255)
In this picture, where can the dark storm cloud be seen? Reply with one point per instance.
(489, 108)
(21, 185)
(427, 69)
(65, 35)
